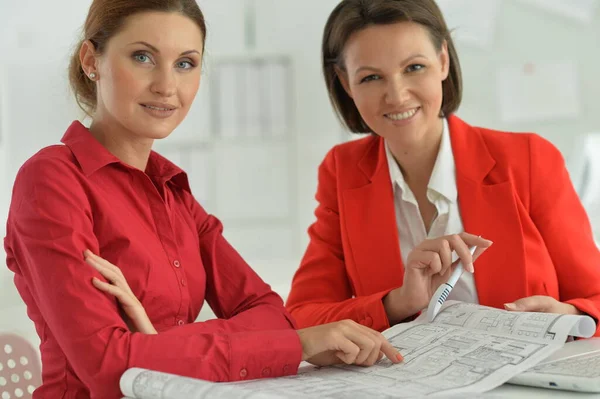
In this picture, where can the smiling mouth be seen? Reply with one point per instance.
(157, 108)
(402, 115)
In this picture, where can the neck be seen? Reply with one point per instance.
(122, 143)
(417, 159)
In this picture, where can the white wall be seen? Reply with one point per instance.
(37, 106)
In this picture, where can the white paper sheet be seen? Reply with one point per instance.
(537, 92)
(473, 22)
(579, 10)
(466, 350)
(138, 383)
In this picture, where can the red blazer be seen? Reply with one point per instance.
(513, 189)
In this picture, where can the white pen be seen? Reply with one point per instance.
(441, 294)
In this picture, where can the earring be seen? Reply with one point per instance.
(92, 75)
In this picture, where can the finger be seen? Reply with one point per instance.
(104, 271)
(128, 302)
(442, 247)
(376, 353)
(475, 241)
(445, 253)
(112, 274)
(106, 264)
(365, 342)
(115, 291)
(435, 263)
(348, 350)
(373, 357)
(537, 303)
(462, 250)
(87, 253)
(390, 351)
(96, 265)
(426, 260)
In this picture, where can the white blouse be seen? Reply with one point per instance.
(441, 192)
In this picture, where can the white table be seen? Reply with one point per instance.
(515, 391)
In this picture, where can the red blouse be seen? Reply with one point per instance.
(173, 255)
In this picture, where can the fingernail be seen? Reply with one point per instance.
(510, 306)
(399, 357)
(471, 268)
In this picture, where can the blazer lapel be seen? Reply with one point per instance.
(488, 208)
(371, 226)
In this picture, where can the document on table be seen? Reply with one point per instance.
(467, 349)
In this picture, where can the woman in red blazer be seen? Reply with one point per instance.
(392, 71)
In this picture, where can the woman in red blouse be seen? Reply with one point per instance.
(105, 192)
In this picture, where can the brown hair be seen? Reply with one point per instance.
(105, 19)
(351, 16)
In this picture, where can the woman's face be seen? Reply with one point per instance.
(394, 74)
(149, 74)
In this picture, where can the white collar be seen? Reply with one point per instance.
(443, 177)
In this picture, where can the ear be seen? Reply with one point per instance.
(88, 58)
(445, 60)
(343, 77)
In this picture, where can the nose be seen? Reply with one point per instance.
(396, 91)
(165, 82)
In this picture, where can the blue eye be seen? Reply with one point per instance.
(370, 78)
(415, 67)
(142, 58)
(185, 65)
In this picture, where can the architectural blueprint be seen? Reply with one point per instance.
(466, 349)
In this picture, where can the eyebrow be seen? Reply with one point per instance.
(370, 68)
(151, 47)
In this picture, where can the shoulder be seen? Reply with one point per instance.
(504, 140)
(54, 155)
(52, 167)
(516, 148)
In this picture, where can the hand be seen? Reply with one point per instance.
(428, 266)
(345, 342)
(542, 303)
(118, 287)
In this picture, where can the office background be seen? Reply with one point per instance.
(528, 65)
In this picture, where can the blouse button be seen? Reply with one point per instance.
(266, 372)
(180, 322)
(286, 369)
(176, 263)
(183, 282)
(243, 373)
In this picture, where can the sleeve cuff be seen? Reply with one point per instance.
(264, 354)
(374, 315)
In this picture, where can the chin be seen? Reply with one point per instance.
(154, 130)
(158, 134)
